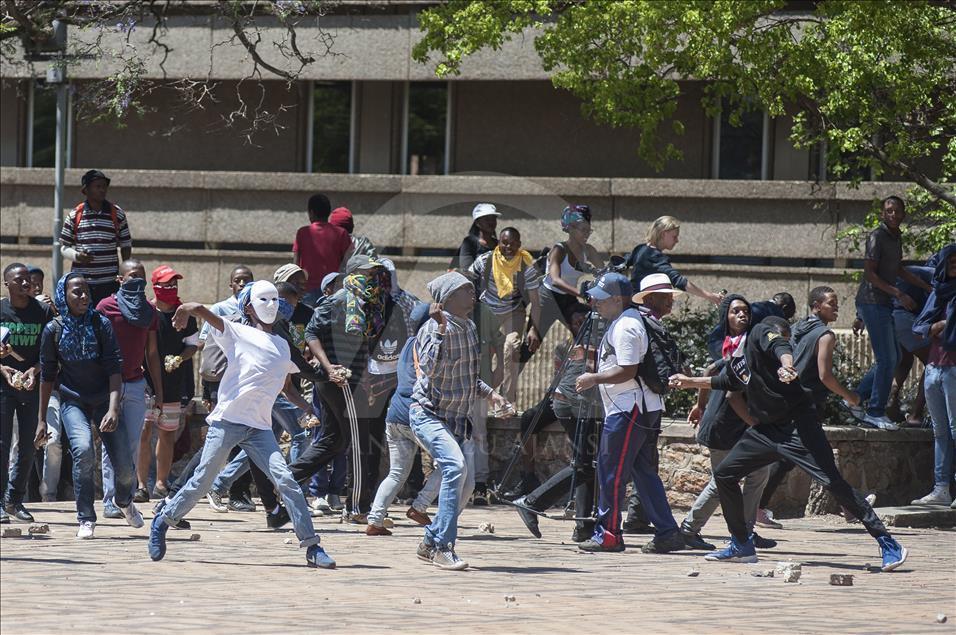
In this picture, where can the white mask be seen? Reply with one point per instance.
(264, 299)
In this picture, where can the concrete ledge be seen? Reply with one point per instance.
(917, 516)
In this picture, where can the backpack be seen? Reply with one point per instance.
(212, 365)
(663, 357)
(78, 216)
(58, 330)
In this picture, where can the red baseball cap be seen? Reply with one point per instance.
(165, 273)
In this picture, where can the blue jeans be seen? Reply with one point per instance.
(24, 405)
(628, 443)
(262, 448)
(875, 385)
(456, 460)
(132, 418)
(78, 421)
(402, 446)
(940, 387)
(285, 417)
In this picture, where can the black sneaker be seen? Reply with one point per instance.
(609, 546)
(4, 518)
(692, 540)
(480, 496)
(18, 512)
(580, 534)
(673, 542)
(278, 519)
(762, 543)
(141, 495)
(528, 483)
(529, 518)
(241, 503)
(631, 526)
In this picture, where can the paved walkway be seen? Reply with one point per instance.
(241, 578)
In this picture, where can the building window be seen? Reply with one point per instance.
(741, 152)
(331, 121)
(426, 132)
(41, 144)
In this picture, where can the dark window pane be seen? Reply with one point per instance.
(44, 126)
(427, 113)
(740, 147)
(331, 120)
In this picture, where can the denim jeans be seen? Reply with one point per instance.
(52, 451)
(874, 388)
(456, 461)
(285, 417)
(24, 404)
(78, 421)
(402, 446)
(940, 386)
(132, 418)
(708, 500)
(263, 450)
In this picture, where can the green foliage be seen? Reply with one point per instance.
(689, 329)
(871, 81)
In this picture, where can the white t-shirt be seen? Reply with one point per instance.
(257, 366)
(625, 344)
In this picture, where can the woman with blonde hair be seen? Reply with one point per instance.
(649, 258)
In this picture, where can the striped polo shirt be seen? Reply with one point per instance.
(99, 237)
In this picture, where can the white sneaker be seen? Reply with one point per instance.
(321, 504)
(133, 518)
(336, 502)
(765, 519)
(882, 423)
(939, 496)
(953, 504)
(215, 502)
(857, 412)
(85, 532)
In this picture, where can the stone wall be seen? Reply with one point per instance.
(896, 466)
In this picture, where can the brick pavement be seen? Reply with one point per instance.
(242, 578)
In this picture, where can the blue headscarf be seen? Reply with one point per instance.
(941, 304)
(285, 309)
(574, 214)
(77, 338)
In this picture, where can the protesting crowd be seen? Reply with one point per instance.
(333, 356)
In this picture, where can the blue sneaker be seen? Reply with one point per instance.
(316, 557)
(734, 552)
(157, 537)
(894, 554)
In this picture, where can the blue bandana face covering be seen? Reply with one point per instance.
(132, 303)
(77, 339)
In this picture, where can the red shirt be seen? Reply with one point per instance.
(938, 356)
(131, 339)
(321, 248)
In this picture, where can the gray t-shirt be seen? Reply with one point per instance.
(488, 290)
(886, 248)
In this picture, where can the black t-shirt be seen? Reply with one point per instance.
(769, 400)
(25, 326)
(171, 342)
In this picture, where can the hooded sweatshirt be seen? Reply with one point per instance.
(720, 427)
(941, 305)
(806, 335)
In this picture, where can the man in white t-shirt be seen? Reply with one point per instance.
(632, 423)
(258, 367)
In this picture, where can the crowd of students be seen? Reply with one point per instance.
(333, 353)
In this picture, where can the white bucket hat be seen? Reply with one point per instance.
(484, 209)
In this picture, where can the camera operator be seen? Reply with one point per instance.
(631, 423)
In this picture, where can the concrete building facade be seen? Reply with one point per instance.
(410, 155)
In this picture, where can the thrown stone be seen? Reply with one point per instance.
(388, 523)
(288, 541)
(38, 529)
(766, 573)
(194, 537)
(940, 618)
(789, 571)
(841, 579)
(11, 532)
(417, 601)
(693, 573)
(486, 528)
(509, 598)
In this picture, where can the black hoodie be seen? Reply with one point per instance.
(720, 427)
(806, 335)
(769, 400)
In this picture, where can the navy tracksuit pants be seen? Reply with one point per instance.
(627, 449)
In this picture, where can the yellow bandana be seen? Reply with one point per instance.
(504, 270)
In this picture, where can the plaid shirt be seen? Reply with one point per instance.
(448, 381)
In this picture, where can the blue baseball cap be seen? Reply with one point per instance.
(609, 285)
